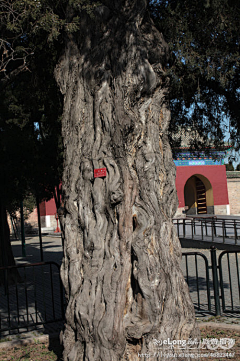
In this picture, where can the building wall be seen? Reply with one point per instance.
(48, 214)
(218, 195)
(33, 219)
(216, 175)
(233, 185)
(225, 191)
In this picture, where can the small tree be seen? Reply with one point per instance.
(229, 167)
(31, 143)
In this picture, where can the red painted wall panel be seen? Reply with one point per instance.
(216, 174)
(50, 207)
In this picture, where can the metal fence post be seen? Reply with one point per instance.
(22, 231)
(212, 231)
(215, 281)
(223, 230)
(235, 231)
(215, 227)
(178, 228)
(201, 221)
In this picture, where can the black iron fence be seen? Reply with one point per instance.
(196, 271)
(229, 275)
(208, 229)
(30, 295)
(214, 283)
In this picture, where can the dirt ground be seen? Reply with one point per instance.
(53, 352)
(224, 354)
(34, 352)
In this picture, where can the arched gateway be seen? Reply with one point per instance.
(198, 195)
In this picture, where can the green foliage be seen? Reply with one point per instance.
(16, 144)
(203, 64)
(30, 128)
(24, 24)
(29, 204)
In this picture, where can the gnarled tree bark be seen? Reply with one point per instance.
(121, 266)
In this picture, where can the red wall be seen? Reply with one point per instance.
(42, 209)
(51, 207)
(216, 174)
(48, 208)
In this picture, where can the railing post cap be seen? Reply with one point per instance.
(213, 248)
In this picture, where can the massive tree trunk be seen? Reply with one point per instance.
(121, 266)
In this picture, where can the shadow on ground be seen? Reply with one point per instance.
(56, 347)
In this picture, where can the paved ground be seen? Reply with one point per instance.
(52, 251)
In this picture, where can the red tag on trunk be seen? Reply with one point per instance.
(100, 172)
